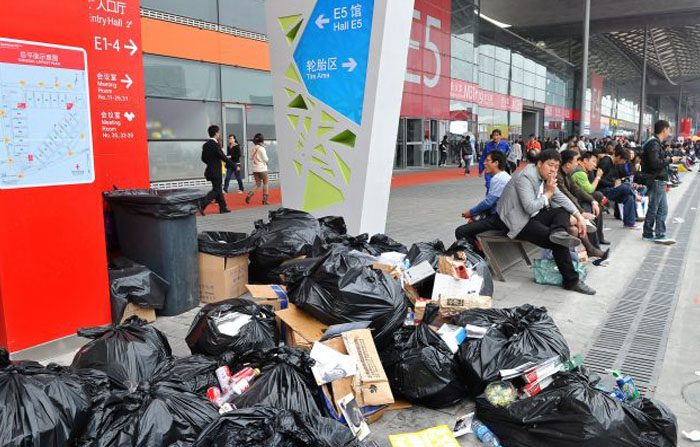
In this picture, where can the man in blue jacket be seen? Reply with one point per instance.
(496, 144)
(495, 165)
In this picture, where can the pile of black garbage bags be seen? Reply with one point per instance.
(125, 388)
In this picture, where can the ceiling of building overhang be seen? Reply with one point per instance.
(617, 37)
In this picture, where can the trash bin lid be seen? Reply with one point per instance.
(163, 203)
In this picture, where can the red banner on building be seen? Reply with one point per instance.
(470, 92)
(596, 99)
(427, 86)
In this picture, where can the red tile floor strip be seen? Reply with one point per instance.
(403, 179)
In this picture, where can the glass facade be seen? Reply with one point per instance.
(184, 97)
(457, 83)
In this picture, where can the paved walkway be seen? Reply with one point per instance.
(428, 211)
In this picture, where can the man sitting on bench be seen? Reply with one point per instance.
(483, 216)
(534, 210)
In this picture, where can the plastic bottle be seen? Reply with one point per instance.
(626, 384)
(484, 434)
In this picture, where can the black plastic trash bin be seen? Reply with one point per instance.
(157, 228)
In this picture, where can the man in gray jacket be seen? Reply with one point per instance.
(534, 210)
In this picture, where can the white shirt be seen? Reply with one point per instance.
(540, 193)
(258, 158)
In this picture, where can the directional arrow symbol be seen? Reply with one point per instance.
(131, 46)
(322, 20)
(127, 81)
(129, 116)
(350, 65)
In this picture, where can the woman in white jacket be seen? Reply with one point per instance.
(258, 160)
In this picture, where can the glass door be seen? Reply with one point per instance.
(400, 155)
(234, 123)
(415, 146)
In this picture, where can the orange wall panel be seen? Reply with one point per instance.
(187, 42)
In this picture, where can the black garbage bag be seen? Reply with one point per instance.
(129, 353)
(286, 382)
(345, 243)
(194, 373)
(288, 234)
(572, 413)
(426, 251)
(152, 413)
(332, 227)
(343, 288)
(294, 269)
(130, 282)
(518, 335)
(161, 203)
(421, 367)
(272, 427)
(224, 243)
(208, 336)
(40, 406)
(384, 243)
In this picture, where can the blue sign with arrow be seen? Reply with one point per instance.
(333, 53)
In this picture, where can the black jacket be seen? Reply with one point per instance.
(611, 172)
(212, 156)
(654, 160)
(235, 153)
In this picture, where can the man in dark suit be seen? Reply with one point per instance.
(212, 156)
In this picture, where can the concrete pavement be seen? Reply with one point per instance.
(429, 211)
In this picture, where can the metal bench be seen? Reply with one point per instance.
(503, 252)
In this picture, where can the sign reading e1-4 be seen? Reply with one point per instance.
(333, 52)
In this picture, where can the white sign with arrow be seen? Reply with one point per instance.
(322, 20)
(132, 47)
(350, 65)
(127, 81)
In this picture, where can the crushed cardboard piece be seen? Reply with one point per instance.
(448, 287)
(419, 273)
(399, 405)
(302, 329)
(455, 268)
(371, 385)
(143, 313)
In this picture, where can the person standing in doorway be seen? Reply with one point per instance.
(234, 154)
(655, 174)
(444, 146)
(516, 154)
(496, 144)
(467, 152)
(213, 156)
(258, 159)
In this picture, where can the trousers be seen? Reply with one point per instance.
(537, 231)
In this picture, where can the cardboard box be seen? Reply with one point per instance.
(453, 306)
(302, 330)
(448, 287)
(222, 278)
(143, 313)
(370, 385)
(271, 294)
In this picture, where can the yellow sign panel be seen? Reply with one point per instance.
(440, 436)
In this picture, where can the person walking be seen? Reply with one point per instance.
(259, 159)
(233, 152)
(467, 152)
(213, 156)
(444, 145)
(655, 174)
(496, 144)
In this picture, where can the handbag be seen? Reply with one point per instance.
(545, 272)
